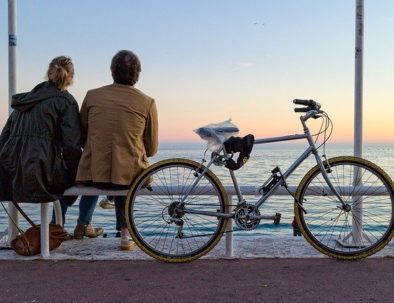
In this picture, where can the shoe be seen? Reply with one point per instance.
(126, 243)
(107, 204)
(68, 236)
(82, 230)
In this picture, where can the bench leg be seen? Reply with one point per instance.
(58, 212)
(44, 230)
(12, 230)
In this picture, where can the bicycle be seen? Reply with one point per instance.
(177, 209)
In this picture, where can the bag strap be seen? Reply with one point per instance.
(16, 225)
(23, 213)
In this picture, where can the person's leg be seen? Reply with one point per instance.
(118, 233)
(120, 215)
(87, 204)
(126, 242)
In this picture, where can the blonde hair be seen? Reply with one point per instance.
(61, 72)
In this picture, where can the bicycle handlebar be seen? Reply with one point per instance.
(303, 102)
(309, 105)
(301, 110)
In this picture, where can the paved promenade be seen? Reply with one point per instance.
(244, 248)
(313, 280)
(265, 269)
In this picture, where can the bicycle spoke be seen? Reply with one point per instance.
(360, 226)
(158, 219)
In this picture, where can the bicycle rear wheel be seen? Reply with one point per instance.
(360, 228)
(159, 220)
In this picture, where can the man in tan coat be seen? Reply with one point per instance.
(120, 128)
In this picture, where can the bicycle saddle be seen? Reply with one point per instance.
(243, 146)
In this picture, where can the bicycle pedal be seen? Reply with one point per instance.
(277, 218)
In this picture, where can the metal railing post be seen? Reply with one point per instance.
(357, 229)
(229, 234)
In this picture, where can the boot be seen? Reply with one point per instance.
(82, 230)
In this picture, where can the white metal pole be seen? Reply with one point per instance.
(357, 208)
(358, 79)
(355, 238)
(12, 41)
(229, 233)
(12, 231)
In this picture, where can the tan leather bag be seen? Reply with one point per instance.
(28, 243)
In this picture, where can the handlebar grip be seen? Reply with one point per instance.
(303, 102)
(301, 110)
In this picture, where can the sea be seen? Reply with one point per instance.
(256, 171)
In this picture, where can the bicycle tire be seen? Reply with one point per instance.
(358, 231)
(150, 217)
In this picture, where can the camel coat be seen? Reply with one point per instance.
(120, 128)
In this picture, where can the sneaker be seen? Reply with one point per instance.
(82, 230)
(126, 243)
(107, 204)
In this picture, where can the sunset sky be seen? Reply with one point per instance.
(205, 61)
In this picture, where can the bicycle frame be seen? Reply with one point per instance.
(188, 208)
(311, 149)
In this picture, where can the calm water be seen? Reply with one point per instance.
(255, 172)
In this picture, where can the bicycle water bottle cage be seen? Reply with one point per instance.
(243, 146)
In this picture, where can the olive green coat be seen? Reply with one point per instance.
(120, 128)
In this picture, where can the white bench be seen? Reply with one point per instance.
(92, 191)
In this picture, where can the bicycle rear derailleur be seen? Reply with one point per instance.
(174, 213)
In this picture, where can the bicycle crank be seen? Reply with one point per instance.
(247, 216)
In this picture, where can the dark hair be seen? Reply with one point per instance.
(61, 72)
(125, 67)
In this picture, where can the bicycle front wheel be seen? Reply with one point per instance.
(175, 219)
(357, 228)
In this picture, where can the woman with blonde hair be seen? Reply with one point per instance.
(40, 145)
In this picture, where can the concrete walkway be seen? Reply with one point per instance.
(284, 280)
(244, 247)
(264, 269)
